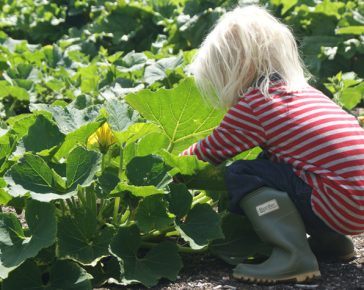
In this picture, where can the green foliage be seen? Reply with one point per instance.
(18, 246)
(121, 201)
(237, 232)
(181, 124)
(62, 275)
(329, 32)
(96, 102)
(161, 261)
(347, 89)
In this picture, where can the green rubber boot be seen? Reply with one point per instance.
(331, 246)
(277, 222)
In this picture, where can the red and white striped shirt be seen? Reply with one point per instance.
(323, 143)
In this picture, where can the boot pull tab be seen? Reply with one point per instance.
(267, 207)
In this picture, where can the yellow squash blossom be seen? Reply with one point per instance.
(103, 138)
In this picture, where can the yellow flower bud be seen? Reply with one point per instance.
(103, 138)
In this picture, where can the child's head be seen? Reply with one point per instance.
(246, 45)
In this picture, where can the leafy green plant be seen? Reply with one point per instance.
(329, 34)
(96, 192)
(347, 89)
(95, 105)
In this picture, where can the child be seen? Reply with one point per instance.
(310, 176)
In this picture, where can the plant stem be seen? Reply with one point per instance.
(116, 209)
(157, 233)
(203, 199)
(81, 196)
(199, 196)
(121, 164)
(170, 147)
(101, 209)
(173, 233)
(63, 206)
(103, 162)
(124, 216)
(181, 249)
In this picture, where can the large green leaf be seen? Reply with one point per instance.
(152, 143)
(158, 70)
(15, 245)
(186, 165)
(77, 137)
(82, 239)
(350, 97)
(132, 61)
(196, 174)
(120, 115)
(20, 124)
(126, 27)
(106, 271)
(354, 29)
(81, 167)
(42, 135)
(18, 93)
(240, 243)
(70, 118)
(148, 170)
(140, 191)
(201, 226)
(161, 261)
(33, 175)
(180, 200)
(151, 214)
(136, 132)
(7, 146)
(61, 275)
(180, 112)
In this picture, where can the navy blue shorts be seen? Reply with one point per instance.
(245, 176)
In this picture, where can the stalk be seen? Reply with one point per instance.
(117, 199)
(124, 216)
(91, 200)
(116, 209)
(157, 233)
(70, 204)
(199, 196)
(204, 199)
(63, 206)
(181, 249)
(101, 209)
(82, 196)
(173, 233)
(103, 162)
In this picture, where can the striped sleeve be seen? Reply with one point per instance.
(240, 130)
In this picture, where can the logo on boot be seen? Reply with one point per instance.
(267, 207)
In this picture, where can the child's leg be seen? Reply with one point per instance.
(243, 177)
(259, 188)
(277, 222)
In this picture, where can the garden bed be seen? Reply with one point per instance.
(208, 272)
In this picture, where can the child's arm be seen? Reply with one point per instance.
(239, 131)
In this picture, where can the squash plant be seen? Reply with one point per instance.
(96, 185)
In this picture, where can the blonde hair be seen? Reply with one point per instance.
(246, 47)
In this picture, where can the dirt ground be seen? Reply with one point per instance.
(209, 273)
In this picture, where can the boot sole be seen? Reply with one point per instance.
(305, 277)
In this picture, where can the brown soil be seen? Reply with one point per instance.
(207, 272)
(210, 273)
